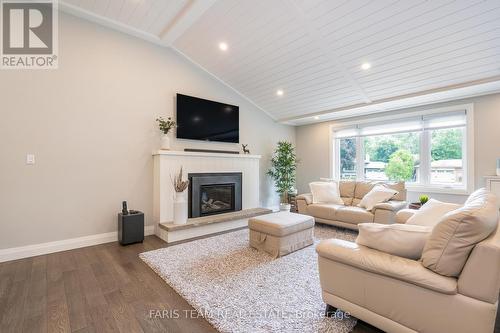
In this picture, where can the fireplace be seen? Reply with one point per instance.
(214, 193)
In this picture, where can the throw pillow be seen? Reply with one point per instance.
(431, 213)
(325, 192)
(401, 240)
(377, 194)
(454, 237)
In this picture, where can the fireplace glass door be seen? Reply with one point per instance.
(216, 199)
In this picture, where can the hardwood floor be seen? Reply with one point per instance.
(104, 288)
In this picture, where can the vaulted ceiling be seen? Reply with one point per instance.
(313, 50)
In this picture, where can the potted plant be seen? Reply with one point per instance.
(180, 200)
(422, 200)
(165, 126)
(283, 167)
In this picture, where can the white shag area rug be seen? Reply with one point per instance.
(239, 289)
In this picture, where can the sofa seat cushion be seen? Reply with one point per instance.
(364, 258)
(281, 224)
(323, 211)
(354, 215)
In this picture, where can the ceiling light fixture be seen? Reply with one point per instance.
(280, 92)
(366, 66)
(223, 46)
(316, 117)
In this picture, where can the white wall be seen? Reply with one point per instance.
(314, 150)
(91, 124)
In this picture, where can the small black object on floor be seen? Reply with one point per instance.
(131, 227)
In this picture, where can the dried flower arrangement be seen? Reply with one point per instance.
(165, 125)
(179, 184)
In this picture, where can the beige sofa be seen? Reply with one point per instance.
(350, 215)
(397, 294)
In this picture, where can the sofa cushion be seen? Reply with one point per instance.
(454, 237)
(326, 192)
(347, 188)
(377, 194)
(362, 189)
(323, 211)
(354, 215)
(431, 213)
(402, 240)
(281, 224)
(400, 188)
(381, 263)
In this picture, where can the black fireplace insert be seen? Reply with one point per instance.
(214, 193)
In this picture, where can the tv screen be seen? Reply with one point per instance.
(201, 119)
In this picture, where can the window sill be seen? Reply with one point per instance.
(437, 189)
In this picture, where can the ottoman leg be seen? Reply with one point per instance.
(330, 310)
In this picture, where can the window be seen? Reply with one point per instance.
(392, 156)
(347, 158)
(427, 150)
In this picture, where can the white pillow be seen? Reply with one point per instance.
(431, 213)
(326, 192)
(401, 240)
(378, 194)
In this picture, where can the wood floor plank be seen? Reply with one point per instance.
(57, 307)
(35, 310)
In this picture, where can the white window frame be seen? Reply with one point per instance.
(425, 146)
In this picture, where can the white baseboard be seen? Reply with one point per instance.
(63, 245)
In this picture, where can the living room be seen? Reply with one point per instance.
(249, 166)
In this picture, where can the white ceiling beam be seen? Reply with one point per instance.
(453, 92)
(187, 16)
(317, 37)
(107, 22)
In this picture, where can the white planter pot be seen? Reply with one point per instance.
(285, 207)
(165, 142)
(180, 208)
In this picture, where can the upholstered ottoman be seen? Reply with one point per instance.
(281, 233)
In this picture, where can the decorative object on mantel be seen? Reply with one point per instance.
(417, 205)
(245, 150)
(165, 127)
(283, 167)
(180, 199)
(498, 167)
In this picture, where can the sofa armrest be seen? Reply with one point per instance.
(480, 278)
(370, 260)
(385, 212)
(404, 215)
(303, 201)
(392, 205)
(307, 197)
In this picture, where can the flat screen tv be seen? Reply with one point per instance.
(201, 119)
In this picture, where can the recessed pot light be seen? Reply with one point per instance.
(316, 117)
(223, 46)
(280, 92)
(366, 66)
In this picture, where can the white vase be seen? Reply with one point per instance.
(180, 208)
(165, 142)
(285, 207)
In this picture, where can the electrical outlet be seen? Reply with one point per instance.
(30, 159)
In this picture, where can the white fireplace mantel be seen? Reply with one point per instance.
(167, 164)
(200, 154)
